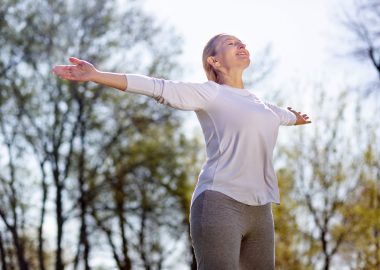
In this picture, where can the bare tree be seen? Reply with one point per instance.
(11, 205)
(361, 20)
(56, 116)
(326, 174)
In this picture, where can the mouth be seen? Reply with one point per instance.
(243, 53)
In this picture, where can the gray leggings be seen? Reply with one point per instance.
(229, 235)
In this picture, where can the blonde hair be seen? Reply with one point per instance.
(210, 50)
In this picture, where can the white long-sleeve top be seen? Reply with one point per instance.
(240, 133)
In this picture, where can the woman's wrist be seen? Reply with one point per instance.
(115, 80)
(95, 74)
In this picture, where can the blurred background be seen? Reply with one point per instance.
(94, 178)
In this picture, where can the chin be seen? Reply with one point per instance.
(247, 63)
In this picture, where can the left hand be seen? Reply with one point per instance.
(302, 119)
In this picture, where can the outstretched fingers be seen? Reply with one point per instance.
(301, 118)
(64, 72)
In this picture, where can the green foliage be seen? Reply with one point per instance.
(334, 189)
(287, 231)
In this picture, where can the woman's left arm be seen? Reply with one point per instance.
(289, 117)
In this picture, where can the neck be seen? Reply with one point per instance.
(233, 79)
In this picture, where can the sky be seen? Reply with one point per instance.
(305, 37)
(303, 34)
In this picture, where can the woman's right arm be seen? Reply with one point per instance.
(84, 71)
(179, 95)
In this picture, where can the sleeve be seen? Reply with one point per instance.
(178, 95)
(287, 118)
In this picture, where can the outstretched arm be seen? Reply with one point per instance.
(179, 95)
(289, 117)
(84, 71)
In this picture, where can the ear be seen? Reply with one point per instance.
(212, 61)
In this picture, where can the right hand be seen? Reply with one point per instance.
(81, 70)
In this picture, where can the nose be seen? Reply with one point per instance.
(241, 45)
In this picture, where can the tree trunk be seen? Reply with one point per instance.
(83, 234)
(60, 220)
(19, 246)
(2, 254)
(142, 252)
(327, 263)
(20, 252)
(126, 265)
(41, 258)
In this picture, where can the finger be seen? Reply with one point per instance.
(68, 77)
(293, 111)
(57, 69)
(64, 73)
(290, 109)
(75, 60)
(60, 68)
(60, 72)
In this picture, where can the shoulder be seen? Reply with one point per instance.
(208, 87)
(213, 86)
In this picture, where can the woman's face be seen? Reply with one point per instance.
(231, 53)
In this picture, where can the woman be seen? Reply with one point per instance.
(231, 220)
